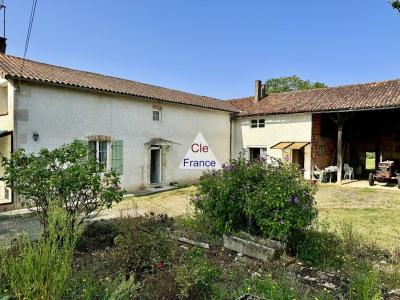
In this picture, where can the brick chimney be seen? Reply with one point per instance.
(3, 45)
(259, 91)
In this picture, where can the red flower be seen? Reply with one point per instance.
(160, 265)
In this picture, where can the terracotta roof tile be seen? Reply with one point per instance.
(375, 95)
(10, 67)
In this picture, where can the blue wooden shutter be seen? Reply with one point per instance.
(117, 156)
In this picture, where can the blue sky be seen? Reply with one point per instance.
(213, 47)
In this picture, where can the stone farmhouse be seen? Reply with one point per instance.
(143, 132)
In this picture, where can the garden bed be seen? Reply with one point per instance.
(141, 255)
(190, 272)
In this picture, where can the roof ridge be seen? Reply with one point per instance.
(108, 76)
(238, 99)
(324, 88)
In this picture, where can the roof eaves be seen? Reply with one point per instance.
(246, 115)
(84, 87)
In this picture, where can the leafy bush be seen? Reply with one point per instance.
(143, 245)
(195, 275)
(40, 270)
(98, 235)
(272, 197)
(65, 173)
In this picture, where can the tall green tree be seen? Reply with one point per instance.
(396, 4)
(289, 84)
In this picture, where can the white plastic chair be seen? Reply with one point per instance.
(319, 174)
(348, 171)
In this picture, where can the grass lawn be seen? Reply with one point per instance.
(375, 214)
(175, 203)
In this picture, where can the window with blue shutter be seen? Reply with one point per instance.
(117, 156)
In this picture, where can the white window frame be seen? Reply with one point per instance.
(159, 115)
(263, 151)
(108, 152)
(259, 123)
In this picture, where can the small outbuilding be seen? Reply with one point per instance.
(355, 126)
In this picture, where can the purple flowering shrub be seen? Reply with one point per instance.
(270, 195)
(283, 203)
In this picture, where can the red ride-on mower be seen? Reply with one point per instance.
(386, 172)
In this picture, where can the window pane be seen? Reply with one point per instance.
(253, 123)
(156, 115)
(261, 123)
(103, 152)
(255, 153)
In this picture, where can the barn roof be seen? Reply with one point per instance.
(374, 95)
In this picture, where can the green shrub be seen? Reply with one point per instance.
(40, 269)
(195, 275)
(143, 245)
(98, 235)
(66, 174)
(272, 197)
